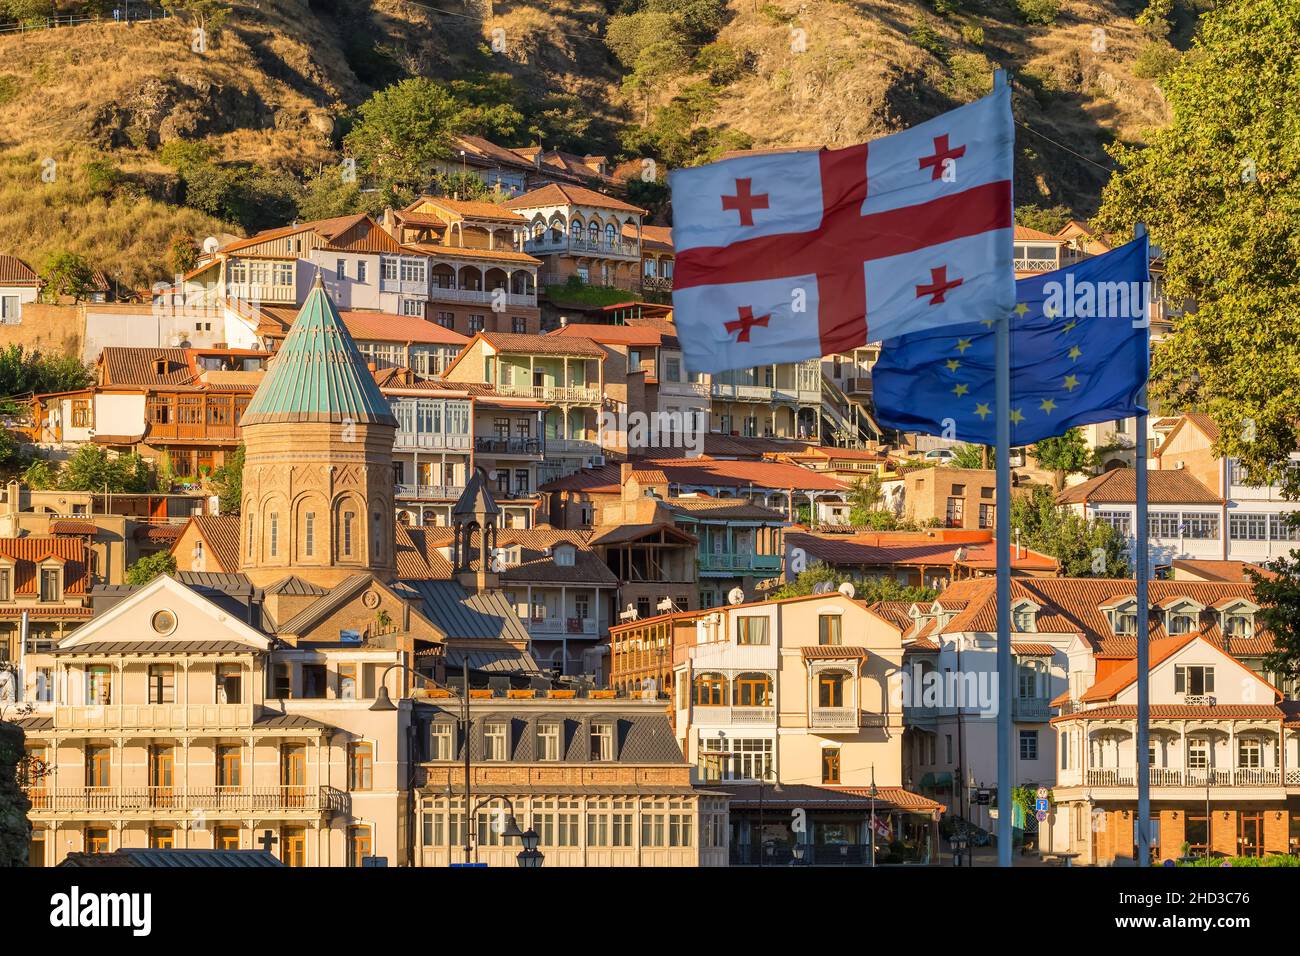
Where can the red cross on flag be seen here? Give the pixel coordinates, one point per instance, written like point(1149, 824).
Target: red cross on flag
point(789, 256)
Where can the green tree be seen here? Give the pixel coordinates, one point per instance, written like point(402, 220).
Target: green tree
point(150, 566)
point(1049, 220)
point(402, 130)
point(1278, 594)
point(1074, 541)
point(97, 469)
point(329, 192)
point(869, 590)
point(1219, 189)
point(208, 15)
point(969, 456)
point(863, 497)
point(487, 107)
point(464, 185)
point(66, 273)
point(41, 475)
point(228, 482)
point(1064, 455)
point(182, 253)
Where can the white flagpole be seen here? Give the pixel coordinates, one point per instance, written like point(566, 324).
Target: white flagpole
point(1142, 571)
point(1002, 396)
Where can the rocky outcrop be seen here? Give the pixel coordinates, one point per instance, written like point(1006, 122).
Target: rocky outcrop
point(15, 829)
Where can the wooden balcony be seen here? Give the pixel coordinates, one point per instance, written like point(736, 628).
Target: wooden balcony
point(1197, 777)
point(834, 718)
point(740, 563)
point(554, 393)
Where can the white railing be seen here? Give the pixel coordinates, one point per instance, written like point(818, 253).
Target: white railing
point(257, 292)
point(405, 286)
point(441, 294)
point(698, 389)
point(553, 393)
point(153, 716)
point(572, 446)
point(430, 491)
point(440, 441)
point(1196, 777)
point(560, 625)
point(841, 717)
point(600, 247)
point(1036, 265)
point(173, 800)
point(753, 715)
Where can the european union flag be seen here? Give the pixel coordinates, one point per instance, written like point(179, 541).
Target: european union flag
point(1079, 355)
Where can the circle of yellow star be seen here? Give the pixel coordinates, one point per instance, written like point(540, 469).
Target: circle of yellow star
point(1069, 326)
point(960, 389)
point(1046, 405)
point(1071, 383)
point(1075, 352)
point(963, 345)
point(1049, 312)
point(953, 365)
point(1016, 416)
point(983, 411)
point(1021, 309)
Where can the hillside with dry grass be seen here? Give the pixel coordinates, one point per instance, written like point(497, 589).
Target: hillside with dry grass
point(86, 111)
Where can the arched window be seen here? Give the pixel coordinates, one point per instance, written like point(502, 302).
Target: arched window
point(831, 688)
point(347, 529)
point(710, 690)
point(539, 229)
point(377, 541)
point(575, 229)
point(593, 232)
point(1181, 623)
point(275, 533)
point(753, 690)
point(611, 233)
point(1238, 625)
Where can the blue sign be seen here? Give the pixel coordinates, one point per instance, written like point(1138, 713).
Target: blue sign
point(1041, 806)
point(460, 865)
point(1041, 816)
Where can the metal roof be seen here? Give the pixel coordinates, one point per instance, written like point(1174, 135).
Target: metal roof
point(463, 615)
point(143, 857)
point(319, 375)
point(158, 647)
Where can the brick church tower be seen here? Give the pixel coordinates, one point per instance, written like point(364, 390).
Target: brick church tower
point(318, 465)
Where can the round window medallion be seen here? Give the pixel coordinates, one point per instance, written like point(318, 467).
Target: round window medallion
point(164, 622)
point(371, 599)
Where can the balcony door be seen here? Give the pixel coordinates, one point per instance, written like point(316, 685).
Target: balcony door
point(162, 766)
point(1250, 834)
point(293, 774)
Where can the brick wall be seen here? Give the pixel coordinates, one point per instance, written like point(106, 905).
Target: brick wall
point(49, 328)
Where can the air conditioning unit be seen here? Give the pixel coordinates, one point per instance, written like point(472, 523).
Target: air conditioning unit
point(597, 461)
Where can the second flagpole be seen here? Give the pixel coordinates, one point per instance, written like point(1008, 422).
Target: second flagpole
point(1002, 375)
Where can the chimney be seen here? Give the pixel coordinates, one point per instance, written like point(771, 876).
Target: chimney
point(624, 472)
point(372, 366)
point(564, 320)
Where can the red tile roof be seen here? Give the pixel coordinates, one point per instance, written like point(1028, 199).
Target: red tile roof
point(221, 532)
point(913, 548)
point(554, 194)
point(1024, 233)
point(612, 334)
point(14, 272)
point(28, 552)
point(1217, 570)
point(543, 344)
point(1120, 487)
point(380, 326)
point(1178, 711)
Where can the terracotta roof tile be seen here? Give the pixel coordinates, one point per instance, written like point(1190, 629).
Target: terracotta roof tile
point(28, 552)
point(1178, 711)
point(1120, 487)
point(14, 272)
point(555, 194)
point(705, 472)
point(221, 532)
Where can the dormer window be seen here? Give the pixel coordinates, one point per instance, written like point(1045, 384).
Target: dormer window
point(1181, 622)
point(1024, 617)
point(1239, 625)
point(1126, 622)
point(51, 584)
point(565, 555)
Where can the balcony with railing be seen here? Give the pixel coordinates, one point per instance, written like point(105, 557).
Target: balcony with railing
point(570, 626)
point(689, 389)
point(155, 718)
point(262, 292)
point(185, 800)
point(439, 293)
point(749, 716)
point(1036, 265)
point(551, 243)
point(834, 718)
point(1196, 777)
point(1031, 709)
point(431, 441)
point(430, 491)
point(714, 563)
point(579, 394)
point(509, 446)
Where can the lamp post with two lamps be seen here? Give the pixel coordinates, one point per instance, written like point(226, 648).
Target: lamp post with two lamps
point(530, 857)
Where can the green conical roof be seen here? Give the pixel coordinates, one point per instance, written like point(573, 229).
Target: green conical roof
point(318, 375)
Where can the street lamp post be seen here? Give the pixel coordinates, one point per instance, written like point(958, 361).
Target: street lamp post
point(873, 792)
point(530, 857)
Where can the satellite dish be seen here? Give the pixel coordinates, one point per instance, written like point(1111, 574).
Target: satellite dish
point(211, 245)
point(736, 596)
point(848, 590)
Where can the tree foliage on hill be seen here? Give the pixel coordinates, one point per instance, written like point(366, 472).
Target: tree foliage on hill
point(869, 590)
point(23, 372)
point(1219, 189)
point(401, 131)
point(1074, 541)
point(150, 566)
point(243, 193)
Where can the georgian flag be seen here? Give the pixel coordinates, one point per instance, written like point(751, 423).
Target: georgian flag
point(790, 256)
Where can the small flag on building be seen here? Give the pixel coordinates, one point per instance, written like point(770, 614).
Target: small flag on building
point(1078, 355)
point(782, 257)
